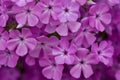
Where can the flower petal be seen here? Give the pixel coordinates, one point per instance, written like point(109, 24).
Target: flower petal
point(32, 20)
point(87, 71)
point(21, 18)
point(31, 43)
point(48, 72)
point(76, 71)
point(12, 60)
point(21, 49)
point(62, 30)
point(12, 44)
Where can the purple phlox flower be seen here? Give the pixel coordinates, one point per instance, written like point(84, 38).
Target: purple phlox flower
point(64, 53)
point(21, 2)
point(104, 51)
point(48, 10)
point(3, 38)
point(99, 16)
point(3, 15)
point(64, 28)
point(86, 35)
point(68, 11)
point(28, 14)
point(9, 74)
point(51, 70)
point(83, 63)
point(21, 42)
point(8, 58)
point(44, 44)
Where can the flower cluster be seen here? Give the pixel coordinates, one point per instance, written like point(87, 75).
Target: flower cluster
point(59, 39)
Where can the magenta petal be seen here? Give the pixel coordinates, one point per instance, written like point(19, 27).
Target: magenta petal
point(21, 3)
point(92, 21)
point(76, 71)
point(104, 60)
point(105, 18)
point(32, 20)
point(50, 29)
point(36, 52)
point(1, 29)
point(57, 51)
point(64, 44)
point(90, 38)
point(45, 17)
point(30, 61)
point(82, 2)
point(5, 35)
point(99, 26)
point(91, 59)
point(60, 59)
point(62, 30)
point(3, 44)
point(21, 49)
point(82, 52)
point(21, 18)
point(44, 62)
point(48, 72)
point(3, 20)
point(62, 17)
point(3, 58)
point(12, 44)
point(31, 43)
point(94, 47)
point(69, 59)
point(72, 16)
point(58, 73)
point(87, 71)
point(12, 60)
point(103, 8)
point(74, 26)
point(26, 32)
point(108, 52)
point(103, 45)
point(14, 34)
